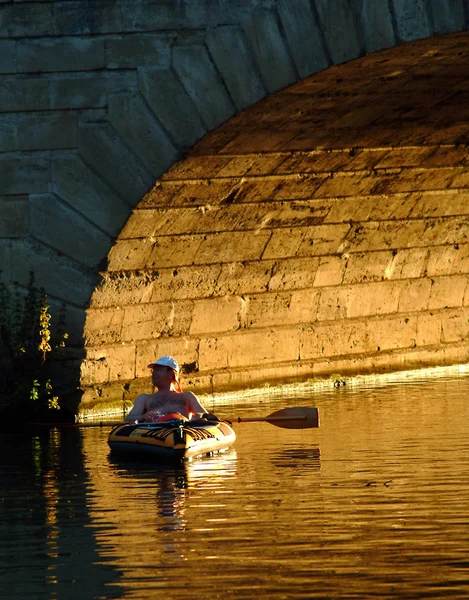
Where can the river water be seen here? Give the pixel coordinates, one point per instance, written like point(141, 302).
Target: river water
point(372, 504)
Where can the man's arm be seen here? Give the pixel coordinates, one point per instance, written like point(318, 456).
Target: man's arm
point(195, 407)
point(138, 409)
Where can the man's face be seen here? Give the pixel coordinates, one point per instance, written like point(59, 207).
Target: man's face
point(161, 375)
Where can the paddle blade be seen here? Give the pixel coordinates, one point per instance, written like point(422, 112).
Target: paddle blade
point(295, 417)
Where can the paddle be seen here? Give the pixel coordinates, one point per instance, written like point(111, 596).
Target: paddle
point(295, 417)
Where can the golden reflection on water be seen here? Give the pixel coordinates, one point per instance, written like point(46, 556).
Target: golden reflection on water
point(373, 504)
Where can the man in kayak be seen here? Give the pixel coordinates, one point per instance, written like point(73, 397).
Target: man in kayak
point(169, 402)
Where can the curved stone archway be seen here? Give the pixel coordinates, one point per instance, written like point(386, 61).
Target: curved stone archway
point(99, 99)
point(323, 230)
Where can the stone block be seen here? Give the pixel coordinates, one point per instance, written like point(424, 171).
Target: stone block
point(28, 93)
point(414, 295)
point(24, 173)
point(45, 55)
point(440, 260)
point(284, 243)
point(372, 299)
point(137, 50)
point(104, 151)
point(412, 19)
point(108, 363)
point(447, 291)
point(269, 50)
point(331, 271)
point(203, 84)
point(408, 263)
point(130, 255)
point(326, 340)
point(59, 276)
point(431, 204)
point(303, 36)
point(374, 16)
point(172, 104)
point(247, 277)
point(130, 116)
point(47, 131)
point(231, 247)
point(186, 283)
point(240, 75)
point(80, 187)
point(304, 306)
point(385, 235)
point(292, 273)
point(5, 260)
point(455, 326)
point(151, 321)
point(339, 30)
point(249, 348)
point(217, 315)
point(76, 237)
point(15, 217)
point(87, 90)
point(391, 333)
point(428, 329)
point(103, 327)
point(362, 267)
point(324, 239)
point(7, 55)
point(461, 260)
point(18, 20)
point(8, 132)
point(333, 303)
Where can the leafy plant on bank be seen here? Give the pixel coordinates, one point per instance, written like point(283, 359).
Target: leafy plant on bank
point(26, 347)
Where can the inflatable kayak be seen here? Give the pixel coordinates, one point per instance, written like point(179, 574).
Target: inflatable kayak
point(176, 439)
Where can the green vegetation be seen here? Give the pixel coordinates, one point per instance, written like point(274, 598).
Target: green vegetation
point(27, 346)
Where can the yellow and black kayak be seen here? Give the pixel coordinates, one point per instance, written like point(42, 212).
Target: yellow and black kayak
point(176, 439)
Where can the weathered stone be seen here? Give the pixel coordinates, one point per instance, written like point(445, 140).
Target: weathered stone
point(447, 292)
point(28, 93)
point(201, 80)
point(247, 277)
point(414, 295)
point(8, 132)
point(240, 76)
point(247, 349)
point(53, 130)
point(7, 56)
point(75, 237)
point(303, 36)
point(103, 150)
point(33, 20)
point(59, 276)
point(151, 321)
point(292, 273)
point(78, 185)
point(339, 30)
point(271, 55)
point(454, 326)
point(217, 315)
point(428, 329)
point(117, 363)
point(15, 217)
point(331, 271)
point(132, 51)
point(86, 90)
point(45, 55)
point(172, 105)
point(376, 20)
point(21, 173)
point(130, 116)
point(412, 19)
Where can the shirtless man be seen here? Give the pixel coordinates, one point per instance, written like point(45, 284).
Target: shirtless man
point(169, 399)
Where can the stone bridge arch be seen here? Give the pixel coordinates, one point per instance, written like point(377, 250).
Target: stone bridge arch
point(100, 99)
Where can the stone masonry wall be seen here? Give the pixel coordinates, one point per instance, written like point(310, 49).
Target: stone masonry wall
point(99, 98)
point(325, 230)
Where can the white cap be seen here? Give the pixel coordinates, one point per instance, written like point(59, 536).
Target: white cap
point(166, 361)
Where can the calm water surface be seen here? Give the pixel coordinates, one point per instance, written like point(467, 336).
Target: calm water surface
point(373, 504)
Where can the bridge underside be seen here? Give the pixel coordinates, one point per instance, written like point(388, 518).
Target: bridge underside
point(323, 230)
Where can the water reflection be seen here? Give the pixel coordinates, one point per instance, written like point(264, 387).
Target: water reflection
point(299, 459)
point(170, 484)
